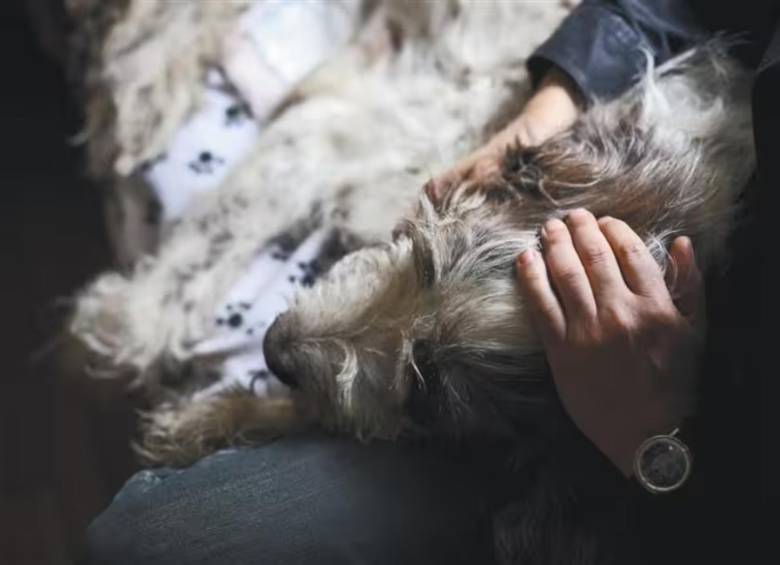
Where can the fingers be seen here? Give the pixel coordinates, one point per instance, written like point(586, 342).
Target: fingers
point(567, 272)
point(640, 271)
point(482, 165)
point(687, 286)
point(596, 255)
point(543, 305)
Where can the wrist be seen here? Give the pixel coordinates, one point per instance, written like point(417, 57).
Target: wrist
point(663, 463)
point(553, 108)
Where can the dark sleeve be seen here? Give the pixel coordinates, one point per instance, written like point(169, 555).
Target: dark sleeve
point(601, 45)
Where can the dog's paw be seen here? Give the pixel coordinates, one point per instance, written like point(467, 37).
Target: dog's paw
point(180, 434)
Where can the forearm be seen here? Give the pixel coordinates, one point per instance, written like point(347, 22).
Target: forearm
point(553, 108)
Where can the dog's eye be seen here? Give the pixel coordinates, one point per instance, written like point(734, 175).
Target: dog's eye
point(423, 403)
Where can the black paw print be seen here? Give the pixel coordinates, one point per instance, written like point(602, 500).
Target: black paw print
point(234, 318)
point(236, 114)
point(311, 271)
point(206, 163)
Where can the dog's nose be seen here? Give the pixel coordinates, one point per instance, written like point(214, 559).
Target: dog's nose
point(276, 347)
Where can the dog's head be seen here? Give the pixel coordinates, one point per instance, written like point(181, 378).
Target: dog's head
point(430, 332)
point(427, 332)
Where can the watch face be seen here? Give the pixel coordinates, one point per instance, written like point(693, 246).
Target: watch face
point(663, 463)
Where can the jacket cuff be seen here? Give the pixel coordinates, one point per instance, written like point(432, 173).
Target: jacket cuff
point(599, 50)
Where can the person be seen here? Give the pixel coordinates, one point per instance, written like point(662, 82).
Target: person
point(323, 500)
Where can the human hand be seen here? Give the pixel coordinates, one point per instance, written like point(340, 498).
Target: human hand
point(552, 109)
point(623, 353)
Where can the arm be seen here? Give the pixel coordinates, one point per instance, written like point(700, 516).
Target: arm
point(552, 109)
point(597, 53)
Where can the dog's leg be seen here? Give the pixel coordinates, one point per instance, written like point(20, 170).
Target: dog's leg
point(178, 435)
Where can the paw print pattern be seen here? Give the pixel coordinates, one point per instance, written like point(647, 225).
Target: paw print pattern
point(236, 318)
point(206, 163)
point(233, 317)
point(310, 271)
point(236, 114)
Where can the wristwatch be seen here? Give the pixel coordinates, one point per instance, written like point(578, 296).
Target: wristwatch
point(663, 463)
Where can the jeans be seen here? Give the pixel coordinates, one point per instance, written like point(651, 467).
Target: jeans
point(303, 500)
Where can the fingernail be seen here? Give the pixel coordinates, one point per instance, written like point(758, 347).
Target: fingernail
point(577, 213)
point(527, 257)
point(551, 225)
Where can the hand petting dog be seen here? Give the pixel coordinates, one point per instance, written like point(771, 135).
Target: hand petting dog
point(622, 351)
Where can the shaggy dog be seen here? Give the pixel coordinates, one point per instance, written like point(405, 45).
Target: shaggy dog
point(425, 335)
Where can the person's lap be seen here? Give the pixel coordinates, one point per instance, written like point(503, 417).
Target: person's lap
point(302, 500)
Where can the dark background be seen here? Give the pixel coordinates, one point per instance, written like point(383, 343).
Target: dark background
point(63, 440)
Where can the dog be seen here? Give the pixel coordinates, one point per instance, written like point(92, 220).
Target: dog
point(426, 335)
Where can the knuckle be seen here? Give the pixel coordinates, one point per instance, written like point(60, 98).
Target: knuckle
point(664, 318)
point(568, 275)
point(581, 339)
point(632, 250)
point(587, 335)
point(595, 255)
point(547, 311)
point(617, 319)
